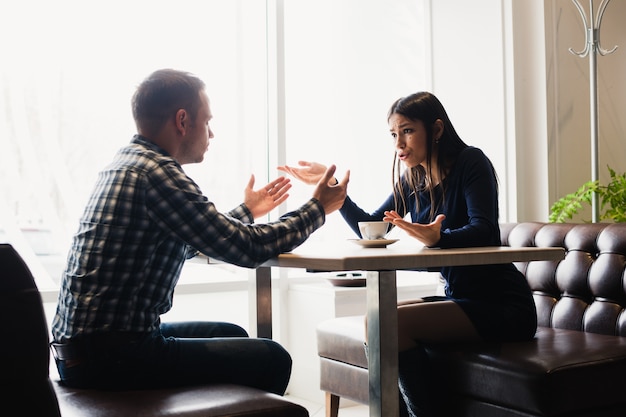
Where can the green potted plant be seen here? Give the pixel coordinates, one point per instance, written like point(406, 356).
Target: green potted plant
point(611, 197)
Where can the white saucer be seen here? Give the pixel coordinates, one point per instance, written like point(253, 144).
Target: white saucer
point(375, 243)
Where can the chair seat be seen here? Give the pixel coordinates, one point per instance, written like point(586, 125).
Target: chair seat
point(218, 400)
point(343, 364)
point(343, 339)
point(33, 385)
point(210, 400)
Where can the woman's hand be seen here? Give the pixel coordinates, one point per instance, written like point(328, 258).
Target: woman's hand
point(309, 172)
point(264, 200)
point(428, 234)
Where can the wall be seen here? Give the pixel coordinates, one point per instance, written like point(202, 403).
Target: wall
point(491, 77)
point(512, 87)
point(569, 96)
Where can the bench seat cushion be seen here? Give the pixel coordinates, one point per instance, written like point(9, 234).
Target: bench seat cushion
point(203, 401)
point(558, 372)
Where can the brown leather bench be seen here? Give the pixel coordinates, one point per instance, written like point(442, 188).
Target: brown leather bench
point(575, 365)
point(30, 389)
point(198, 401)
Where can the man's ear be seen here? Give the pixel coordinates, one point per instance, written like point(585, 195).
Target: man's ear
point(182, 121)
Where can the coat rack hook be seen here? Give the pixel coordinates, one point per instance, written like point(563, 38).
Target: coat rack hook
point(592, 30)
point(601, 50)
point(588, 42)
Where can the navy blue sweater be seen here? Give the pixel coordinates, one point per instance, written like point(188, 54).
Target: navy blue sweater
point(496, 298)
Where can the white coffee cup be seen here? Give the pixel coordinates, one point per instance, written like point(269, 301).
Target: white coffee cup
point(373, 230)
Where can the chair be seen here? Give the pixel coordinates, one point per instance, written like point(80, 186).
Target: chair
point(29, 388)
point(26, 357)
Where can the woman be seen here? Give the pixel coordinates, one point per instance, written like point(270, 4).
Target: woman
point(450, 191)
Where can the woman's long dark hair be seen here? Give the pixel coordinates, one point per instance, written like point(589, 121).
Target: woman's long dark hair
point(425, 107)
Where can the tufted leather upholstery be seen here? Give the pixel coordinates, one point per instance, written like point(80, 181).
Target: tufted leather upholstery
point(576, 364)
point(29, 387)
point(587, 290)
point(24, 349)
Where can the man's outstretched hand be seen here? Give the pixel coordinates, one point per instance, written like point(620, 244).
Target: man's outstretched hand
point(262, 201)
point(331, 197)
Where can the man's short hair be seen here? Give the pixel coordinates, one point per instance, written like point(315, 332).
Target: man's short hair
point(161, 95)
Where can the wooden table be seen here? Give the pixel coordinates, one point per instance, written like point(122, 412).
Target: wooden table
point(381, 264)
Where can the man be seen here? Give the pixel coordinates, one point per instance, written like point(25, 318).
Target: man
point(144, 218)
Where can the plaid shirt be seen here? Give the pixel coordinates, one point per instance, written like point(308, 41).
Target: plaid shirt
point(145, 217)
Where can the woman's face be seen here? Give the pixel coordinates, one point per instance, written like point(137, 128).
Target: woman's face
point(410, 140)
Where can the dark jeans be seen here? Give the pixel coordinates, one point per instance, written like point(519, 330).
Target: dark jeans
point(178, 354)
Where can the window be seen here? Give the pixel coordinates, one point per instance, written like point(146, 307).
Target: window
point(70, 69)
point(346, 62)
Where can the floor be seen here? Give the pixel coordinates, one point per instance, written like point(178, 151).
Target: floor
point(317, 410)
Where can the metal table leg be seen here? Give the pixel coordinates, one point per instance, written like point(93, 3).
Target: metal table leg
point(264, 302)
point(382, 340)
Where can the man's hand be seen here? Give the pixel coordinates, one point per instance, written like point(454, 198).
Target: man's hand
point(331, 197)
point(309, 172)
point(264, 200)
point(428, 234)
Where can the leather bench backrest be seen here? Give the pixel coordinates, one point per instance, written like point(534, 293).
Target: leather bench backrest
point(586, 291)
point(25, 350)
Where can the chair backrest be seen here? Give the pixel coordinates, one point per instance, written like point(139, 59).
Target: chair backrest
point(24, 349)
point(586, 291)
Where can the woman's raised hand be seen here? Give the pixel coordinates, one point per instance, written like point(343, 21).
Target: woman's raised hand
point(428, 234)
point(309, 172)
